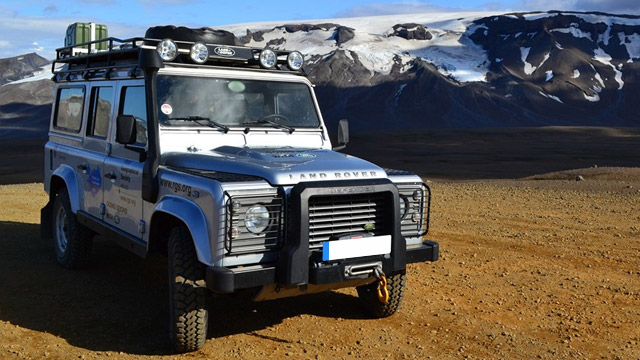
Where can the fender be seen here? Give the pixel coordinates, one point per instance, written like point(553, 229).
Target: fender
point(68, 175)
point(193, 217)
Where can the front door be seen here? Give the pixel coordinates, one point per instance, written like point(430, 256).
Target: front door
point(123, 167)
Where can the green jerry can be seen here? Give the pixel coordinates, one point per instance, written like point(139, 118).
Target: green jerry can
point(78, 33)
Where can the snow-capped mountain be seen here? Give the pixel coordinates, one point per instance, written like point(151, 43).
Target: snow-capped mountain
point(20, 67)
point(468, 69)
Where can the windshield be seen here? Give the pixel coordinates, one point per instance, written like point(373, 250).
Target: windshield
point(231, 102)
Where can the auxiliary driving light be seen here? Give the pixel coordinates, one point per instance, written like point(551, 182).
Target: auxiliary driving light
point(295, 60)
point(199, 53)
point(167, 49)
point(268, 59)
point(257, 219)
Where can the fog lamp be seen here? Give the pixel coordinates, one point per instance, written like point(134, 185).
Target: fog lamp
point(295, 60)
point(268, 59)
point(199, 53)
point(167, 49)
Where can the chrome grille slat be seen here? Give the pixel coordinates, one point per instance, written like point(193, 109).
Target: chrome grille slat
point(331, 219)
point(333, 216)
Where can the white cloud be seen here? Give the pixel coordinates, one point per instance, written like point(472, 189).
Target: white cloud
point(48, 33)
point(407, 7)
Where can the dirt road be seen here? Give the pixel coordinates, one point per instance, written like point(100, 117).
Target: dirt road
point(545, 268)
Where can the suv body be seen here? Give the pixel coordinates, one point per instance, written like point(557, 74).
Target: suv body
point(228, 169)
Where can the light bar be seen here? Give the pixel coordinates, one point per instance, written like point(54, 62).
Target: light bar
point(167, 49)
point(199, 53)
point(295, 60)
point(268, 59)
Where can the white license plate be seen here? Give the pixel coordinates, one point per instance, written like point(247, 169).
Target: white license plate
point(352, 248)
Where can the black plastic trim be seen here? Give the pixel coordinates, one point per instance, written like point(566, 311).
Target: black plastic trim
point(123, 239)
point(226, 280)
point(428, 251)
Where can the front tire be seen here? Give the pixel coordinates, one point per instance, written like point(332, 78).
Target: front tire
point(72, 240)
point(187, 293)
point(368, 294)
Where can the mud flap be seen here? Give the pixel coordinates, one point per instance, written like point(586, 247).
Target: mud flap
point(46, 220)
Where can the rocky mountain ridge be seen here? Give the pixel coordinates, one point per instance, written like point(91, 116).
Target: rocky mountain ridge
point(20, 67)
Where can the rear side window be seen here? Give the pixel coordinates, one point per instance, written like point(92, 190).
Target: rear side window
point(133, 103)
point(101, 100)
point(69, 109)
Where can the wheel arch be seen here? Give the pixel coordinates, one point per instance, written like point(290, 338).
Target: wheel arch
point(173, 211)
point(65, 177)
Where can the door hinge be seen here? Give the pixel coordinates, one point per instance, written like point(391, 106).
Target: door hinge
point(142, 227)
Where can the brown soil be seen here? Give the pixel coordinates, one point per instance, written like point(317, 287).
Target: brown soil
point(538, 268)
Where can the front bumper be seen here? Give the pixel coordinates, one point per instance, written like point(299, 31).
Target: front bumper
point(227, 280)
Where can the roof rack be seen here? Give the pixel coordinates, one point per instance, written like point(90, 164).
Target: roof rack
point(123, 54)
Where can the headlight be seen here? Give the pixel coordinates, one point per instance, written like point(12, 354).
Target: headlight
point(257, 219)
point(268, 59)
point(403, 207)
point(295, 60)
point(167, 49)
point(199, 53)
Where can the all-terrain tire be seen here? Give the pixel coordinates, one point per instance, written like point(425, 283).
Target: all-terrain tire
point(188, 313)
point(368, 294)
point(72, 240)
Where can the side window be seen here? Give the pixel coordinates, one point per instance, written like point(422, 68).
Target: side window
point(101, 100)
point(133, 103)
point(69, 109)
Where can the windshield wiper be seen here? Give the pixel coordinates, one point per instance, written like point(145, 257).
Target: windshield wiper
point(198, 119)
point(270, 122)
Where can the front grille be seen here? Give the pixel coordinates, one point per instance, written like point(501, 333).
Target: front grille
point(331, 217)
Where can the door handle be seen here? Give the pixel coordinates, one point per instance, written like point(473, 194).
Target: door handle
point(111, 177)
point(83, 168)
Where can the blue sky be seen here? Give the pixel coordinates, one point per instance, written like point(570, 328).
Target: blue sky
point(39, 25)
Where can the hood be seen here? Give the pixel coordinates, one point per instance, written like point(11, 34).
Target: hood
point(285, 166)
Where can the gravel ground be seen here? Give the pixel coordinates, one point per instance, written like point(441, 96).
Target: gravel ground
point(545, 267)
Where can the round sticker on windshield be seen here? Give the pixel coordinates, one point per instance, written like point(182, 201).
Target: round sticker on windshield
point(166, 109)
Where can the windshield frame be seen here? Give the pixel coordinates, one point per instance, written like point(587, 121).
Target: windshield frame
point(242, 75)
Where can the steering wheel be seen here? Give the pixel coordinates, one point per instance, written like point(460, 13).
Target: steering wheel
point(274, 116)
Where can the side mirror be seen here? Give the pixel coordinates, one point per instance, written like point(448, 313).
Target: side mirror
point(343, 134)
point(126, 131)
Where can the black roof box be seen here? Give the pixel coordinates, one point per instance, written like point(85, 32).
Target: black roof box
point(180, 33)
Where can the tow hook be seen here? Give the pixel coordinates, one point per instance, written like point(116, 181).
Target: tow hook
point(383, 293)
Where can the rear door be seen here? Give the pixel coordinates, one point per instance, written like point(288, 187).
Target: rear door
point(123, 167)
point(101, 107)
